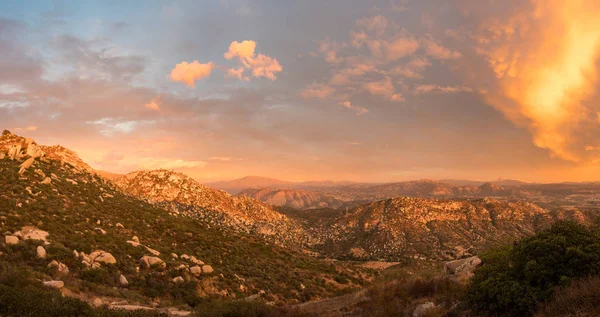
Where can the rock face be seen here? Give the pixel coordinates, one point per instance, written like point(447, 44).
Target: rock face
point(34, 150)
point(422, 309)
point(298, 199)
point(11, 240)
point(152, 261)
point(41, 252)
point(14, 152)
point(462, 269)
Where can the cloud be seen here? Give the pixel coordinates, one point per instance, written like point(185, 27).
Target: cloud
point(438, 51)
point(542, 61)
point(260, 65)
point(412, 69)
point(154, 104)
point(27, 128)
point(151, 163)
point(188, 73)
point(359, 110)
point(220, 158)
point(436, 89)
point(319, 91)
point(383, 88)
point(237, 73)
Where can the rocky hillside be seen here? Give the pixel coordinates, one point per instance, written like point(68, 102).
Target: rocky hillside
point(237, 185)
point(82, 234)
point(434, 229)
point(183, 195)
point(292, 198)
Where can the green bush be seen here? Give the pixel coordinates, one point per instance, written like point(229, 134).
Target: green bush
point(515, 279)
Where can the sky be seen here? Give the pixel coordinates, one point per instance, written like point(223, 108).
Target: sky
point(373, 91)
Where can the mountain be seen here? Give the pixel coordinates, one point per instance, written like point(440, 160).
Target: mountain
point(434, 229)
point(183, 195)
point(97, 241)
point(292, 198)
point(237, 185)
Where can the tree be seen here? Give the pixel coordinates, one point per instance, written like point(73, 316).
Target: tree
point(515, 279)
point(6, 132)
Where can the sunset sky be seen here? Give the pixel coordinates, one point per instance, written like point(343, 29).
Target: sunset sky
point(310, 90)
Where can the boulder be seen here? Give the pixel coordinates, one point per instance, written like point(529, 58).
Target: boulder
point(422, 309)
point(32, 233)
point(207, 269)
point(2, 156)
point(41, 252)
point(47, 180)
point(55, 284)
point(185, 257)
point(34, 150)
point(152, 261)
point(196, 270)
point(178, 280)
point(11, 240)
point(133, 243)
point(174, 255)
point(14, 152)
point(102, 257)
point(196, 261)
point(463, 268)
point(100, 230)
point(119, 225)
point(60, 267)
point(135, 239)
point(97, 302)
point(25, 165)
point(123, 280)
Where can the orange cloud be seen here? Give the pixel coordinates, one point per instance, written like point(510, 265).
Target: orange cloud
point(383, 88)
point(359, 110)
point(438, 51)
point(188, 73)
point(154, 104)
point(260, 65)
point(543, 57)
point(27, 128)
point(237, 73)
point(424, 89)
point(319, 91)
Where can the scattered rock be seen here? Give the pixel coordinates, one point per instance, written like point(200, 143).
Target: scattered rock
point(135, 239)
point(47, 180)
point(100, 230)
point(102, 257)
point(32, 233)
point(152, 261)
point(207, 269)
point(178, 280)
point(72, 182)
point(123, 280)
point(97, 302)
point(174, 256)
point(119, 225)
point(11, 240)
point(462, 269)
point(422, 309)
point(196, 270)
point(41, 252)
point(55, 284)
point(60, 267)
point(196, 261)
point(185, 257)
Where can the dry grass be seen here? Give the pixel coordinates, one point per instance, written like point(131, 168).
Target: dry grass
point(580, 299)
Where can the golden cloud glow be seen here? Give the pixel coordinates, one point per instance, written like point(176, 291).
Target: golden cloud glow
point(544, 59)
point(154, 104)
point(188, 73)
point(260, 65)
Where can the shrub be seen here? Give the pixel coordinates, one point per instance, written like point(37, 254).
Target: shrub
point(514, 279)
point(581, 298)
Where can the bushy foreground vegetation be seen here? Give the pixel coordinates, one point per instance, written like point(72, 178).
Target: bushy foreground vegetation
point(515, 279)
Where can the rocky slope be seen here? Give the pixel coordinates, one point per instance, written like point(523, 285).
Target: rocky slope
point(292, 198)
point(83, 234)
point(434, 229)
point(183, 195)
point(237, 185)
